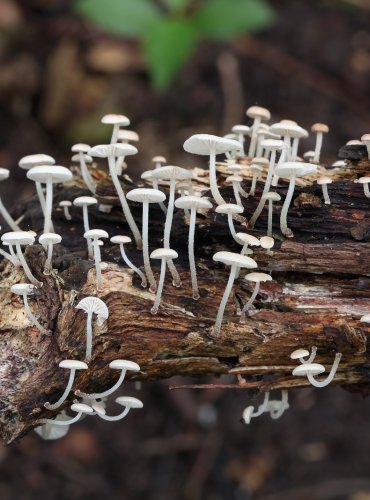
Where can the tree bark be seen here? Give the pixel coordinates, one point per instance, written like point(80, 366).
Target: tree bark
point(319, 291)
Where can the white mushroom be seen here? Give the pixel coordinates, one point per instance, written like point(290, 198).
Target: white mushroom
point(4, 174)
point(365, 182)
point(50, 431)
point(19, 239)
point(303, 353)
point(48, 240)
point(111, 152)
point(118, 364)
point(258, 114)
point(292, 170)
point(297, 135)
point(271, 196)
point(121, 241)
point(85, 202)
point(267, 242)
point(25, 289)
point(79, 408)
point(159, 161)
point(65, 204)
point(117, 121)
point(256, 175)
point(211, 145)
point(81, 150)
point(71, 365)
point(94, 235)
point(165, 255)
point(235, 261)
point(323, 181)
point(146, 196)
point(49, 175)
point(241, 131)
point(329, 378)
point(319, 129)
point(246, 239)
point(230, 209)
point(256, 278)
point(148, 175)
point(128, 403)
point(91, 306)
point(235, 180)
point(193, 203)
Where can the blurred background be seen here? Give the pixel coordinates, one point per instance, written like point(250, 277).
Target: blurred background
point(178, 67)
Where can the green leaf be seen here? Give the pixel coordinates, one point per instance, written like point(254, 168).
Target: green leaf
point(222, 19)
point(167, 46)
point(176, 5)
point(130, 18)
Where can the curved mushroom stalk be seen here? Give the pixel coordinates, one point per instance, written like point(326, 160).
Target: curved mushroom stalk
point(25, 289)
point(250, 412)
point(166, 255)
point(128, 403)
point(80, 408)
point(329, 378)
point(257, 278)
point(13, 260)
point(71, 365)
point(121, 241)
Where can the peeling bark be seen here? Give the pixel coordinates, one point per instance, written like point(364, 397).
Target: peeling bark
point(320, 289)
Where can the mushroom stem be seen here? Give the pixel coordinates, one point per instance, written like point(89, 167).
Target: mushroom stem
point(221, 309)
point(316, 158)
point(32, 318)
point(325, 194)
point(193, 270)
point(41, 196)
point(266, 189)
point(283, 156)
point(8, 218)
point(366, 190)
point(89, 337)
point(330, 377)
point(24, 264)
point(10, 258)
point(122, 198)
point(97, 259)
point(48, 205)
point(64, 396)
point(62, 422)
point(147, 266)
point(48, 264)
point(269, 220)
point(167, 232)
point(250, 301)
point(155, 186)
point(132, 266)
point(67, 215)
point(278, 409)
point(253, 185)
point(252, 145)
point(312, 356)
point(231, 227)
point(85, 214)
point(213, 178)
point(288, 233)
point(86, 174)
point(120, 416)
point(236, 190)
point(108, 392)
point(157, 300)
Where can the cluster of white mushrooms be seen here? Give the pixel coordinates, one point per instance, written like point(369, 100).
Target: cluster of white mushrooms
point(271, 158)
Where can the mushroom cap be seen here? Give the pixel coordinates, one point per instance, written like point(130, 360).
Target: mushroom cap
point(354, 142)
point(231, 136)
point(113, 119)
point(190, 201)
point(127, 135)
point(234, 178)
point(363, 180)
point(124, 364)
point(229, 208)
point(232, 259)
point(267, 242)
point(87, 158)
point(249, 239)
point(297, 168)
point(272, 195)
point(23, 288)
point(272, 144)
point(98, 408)
point(50, 431)
point(339, 163)
point(241, 129)
point(120, 239)
point(324, 180)
point(258, 112)
point(306, 368)
point(129, 401)
point(256, 170)
point(271, 135)
point(148, 174)
point(96, 306)
point(65, 203)
point(146, 195)
point(320, 127)
point(283, 128)
point(308, 154)
point(365, 318)
point(73, 364)
point(204, 144)
point(235, 167)
point(50, 238)
point(172, 172)
point(55, 173)
point(4, 174)
point(365, 138)
point(87, 201)
point(159, 159)
point(18, 237)
point(164, 253)
point(116, 150)
point(186, 184)
point(80, 148)
point(82, 408)
point(260, 161)
point(30, 161)
point(96, 234)
point(258, 277)
point(299, 353)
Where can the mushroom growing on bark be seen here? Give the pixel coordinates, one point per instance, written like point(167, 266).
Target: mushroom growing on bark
point(19, 239)
point(366, 140)
point(85, 202)
point(121, 241)
point(365, 182)
point(258, 114)
point(91, 306)
point(319, 129)
point(4, 174)
point(117, 121)
point(230, 209)
point(241, 131)
point(48, 240)
point(94, 236)
point(81, 150)
point(165, 255)
point(72, 365)
point(25, 289)
point(323, 181)
point(65, 204)
point(256, 278)
point(271, 196)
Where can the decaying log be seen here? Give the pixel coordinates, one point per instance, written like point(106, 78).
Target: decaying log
point(320, 289)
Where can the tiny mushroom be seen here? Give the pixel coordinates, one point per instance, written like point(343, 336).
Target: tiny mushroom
point(79, 408)
point(49, 174)
point(65, 204)
point(271, 196)
point(25, 289)
point(81, 150)
point(235, 261)
point(72, 365)
point(4, 174)
point(128, 402)
point(159, 161)
point(256, 175)
point(146, 196)
point(256, 278)
point(319, 129)
point(230, 209)
point(365, 182)
point(50, 431)
point(117, 121)
point(118, 364)
point(165, 255)
point(19, 239)
point(211, 145)
point(235, 181)
point(193, 203)
point(303, 353)
point(91, 306)
point(148, 175)
point(11, 257)
point(241, 131)
point(323, 181)
point(258, 114)
point(85, 202)
point(94, 235)
point(267, 242)
point(48, 240)
point(305, 368)
point(121, 241)
point(246, 239)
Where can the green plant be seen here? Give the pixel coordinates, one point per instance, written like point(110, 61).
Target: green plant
point(169, 30)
